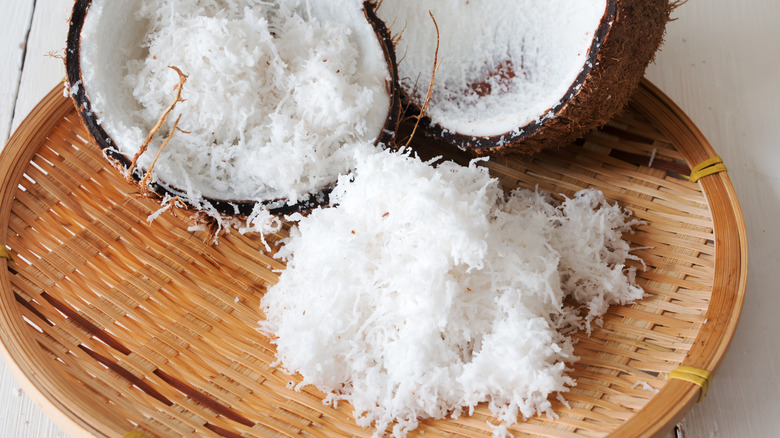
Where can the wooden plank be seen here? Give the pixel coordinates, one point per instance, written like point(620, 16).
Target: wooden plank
point(719, 63)
point(21, 86)
point(41, 71)
point(19, 416)
point(13, 34)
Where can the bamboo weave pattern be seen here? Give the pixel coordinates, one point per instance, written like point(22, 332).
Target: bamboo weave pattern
point(151, 327)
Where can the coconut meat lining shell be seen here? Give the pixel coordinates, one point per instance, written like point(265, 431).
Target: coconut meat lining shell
point(277, 98)
point(504, 64)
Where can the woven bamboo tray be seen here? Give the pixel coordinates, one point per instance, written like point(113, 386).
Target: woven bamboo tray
point(114, 324)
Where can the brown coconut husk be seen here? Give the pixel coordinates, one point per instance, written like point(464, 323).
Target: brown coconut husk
point(625, 43)
point(228, 207)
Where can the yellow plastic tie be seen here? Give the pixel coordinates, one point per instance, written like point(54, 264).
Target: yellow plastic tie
point(707, 167)
point(697, 376)
point(5, 253)
point(135, 434)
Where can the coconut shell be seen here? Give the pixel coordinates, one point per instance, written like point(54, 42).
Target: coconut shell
point(630, 33)
point(238, 207)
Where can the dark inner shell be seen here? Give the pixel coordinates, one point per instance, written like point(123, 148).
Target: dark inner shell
point(627, 37)
point(227, 207)
point(479, 144)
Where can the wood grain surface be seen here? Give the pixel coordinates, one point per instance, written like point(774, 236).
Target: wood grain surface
point(719, 63)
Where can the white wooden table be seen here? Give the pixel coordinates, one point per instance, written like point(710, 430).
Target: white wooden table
point(720, 63)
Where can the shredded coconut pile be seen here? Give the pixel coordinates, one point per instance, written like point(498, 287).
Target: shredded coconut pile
point(279, 92)
point(504, 63)
point(426, 291)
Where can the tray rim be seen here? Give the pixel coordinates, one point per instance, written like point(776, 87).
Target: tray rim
point(671, 404)
point(729, 230)
point(52, 109)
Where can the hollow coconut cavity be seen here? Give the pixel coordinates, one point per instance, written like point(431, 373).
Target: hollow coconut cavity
point(278, 95)
point(522, 75)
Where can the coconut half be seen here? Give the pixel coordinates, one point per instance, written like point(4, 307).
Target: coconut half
point(523, 73)
point(278, 95)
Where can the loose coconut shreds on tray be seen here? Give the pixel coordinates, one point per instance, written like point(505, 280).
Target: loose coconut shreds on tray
point(586, 230)
point(276, 99)
point(503, 63)
point(426, 291)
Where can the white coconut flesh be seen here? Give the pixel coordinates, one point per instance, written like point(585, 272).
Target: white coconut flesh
point(504, 64)
point(426, 291)
point(279, 94)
